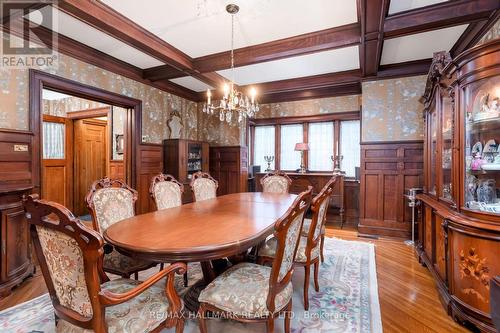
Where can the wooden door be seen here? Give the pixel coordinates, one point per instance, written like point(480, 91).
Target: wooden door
point(90, 158)
point(57, 161)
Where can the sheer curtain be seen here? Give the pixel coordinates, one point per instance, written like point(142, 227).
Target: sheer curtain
point(263, 146)
point(290, 135)
point(320, 146)
point(53, 140)
point(350, 148)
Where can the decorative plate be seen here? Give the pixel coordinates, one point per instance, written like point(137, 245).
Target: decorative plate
point(490, 147)
point(477, 148)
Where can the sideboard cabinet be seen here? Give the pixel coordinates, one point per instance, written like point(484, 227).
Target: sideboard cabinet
point(459, 233)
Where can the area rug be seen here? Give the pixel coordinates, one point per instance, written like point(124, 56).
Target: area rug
point(347, 300)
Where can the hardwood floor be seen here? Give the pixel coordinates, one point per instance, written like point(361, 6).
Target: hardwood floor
point(409, 300)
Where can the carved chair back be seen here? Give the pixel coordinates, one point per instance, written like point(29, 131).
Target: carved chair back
point(276, 182)
point(287, 233)
point(70, 257)
point(110, 201)
point(166, 191)
point(319, 207)
point(204, 187)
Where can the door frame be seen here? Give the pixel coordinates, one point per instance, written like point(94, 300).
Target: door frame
point(39, 80)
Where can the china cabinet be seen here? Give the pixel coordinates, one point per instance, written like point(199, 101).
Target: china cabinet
point(182, 158)
point(459, 232)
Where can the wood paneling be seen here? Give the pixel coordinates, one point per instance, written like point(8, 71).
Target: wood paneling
point(150, 164)
point(387, 172)
point(117, 170)
point(229, 166)
point(16, 167)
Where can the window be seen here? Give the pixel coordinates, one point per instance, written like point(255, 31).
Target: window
point(53, 140)
point(320, 146)
point(263, 146)
point(290, 135)
point(350, 148)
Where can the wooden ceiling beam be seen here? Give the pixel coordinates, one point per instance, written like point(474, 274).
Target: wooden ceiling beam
point(328, 39)
point(473, 34)
point(402, 69)
point(371, 15)
point(109, 21)
point(89, 55)
point(438, 16)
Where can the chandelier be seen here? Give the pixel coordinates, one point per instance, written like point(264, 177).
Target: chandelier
point(233, 102)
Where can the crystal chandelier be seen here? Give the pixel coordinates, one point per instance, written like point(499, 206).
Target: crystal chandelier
point(233, 102)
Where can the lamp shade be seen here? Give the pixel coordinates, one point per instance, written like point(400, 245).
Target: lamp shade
point(302, 146)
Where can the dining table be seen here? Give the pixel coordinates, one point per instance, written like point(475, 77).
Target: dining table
point(201, 231)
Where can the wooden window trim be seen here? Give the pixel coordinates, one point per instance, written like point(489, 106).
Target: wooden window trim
point(336, 118)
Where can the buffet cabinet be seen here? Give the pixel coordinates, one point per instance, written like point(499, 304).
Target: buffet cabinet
point(459, 229)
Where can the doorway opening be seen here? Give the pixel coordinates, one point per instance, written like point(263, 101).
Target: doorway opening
point(82, 141)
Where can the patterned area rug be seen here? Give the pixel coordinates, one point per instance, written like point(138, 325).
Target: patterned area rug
point(347, 301)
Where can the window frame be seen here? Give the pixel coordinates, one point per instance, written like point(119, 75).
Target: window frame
point(336, 118)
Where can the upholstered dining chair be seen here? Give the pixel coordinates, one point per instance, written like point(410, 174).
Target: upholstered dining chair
point(249, 292)
point(309, 245)
point(166, 192)
point(84, 299)
point(276, 182)
point(110, 201)
point(204, 187)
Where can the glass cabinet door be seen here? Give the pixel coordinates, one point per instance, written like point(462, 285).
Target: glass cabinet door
point(482, 153)
point(447, 148)
point(433, 152)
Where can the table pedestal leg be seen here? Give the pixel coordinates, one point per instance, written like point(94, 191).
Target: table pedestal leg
point(191, 297)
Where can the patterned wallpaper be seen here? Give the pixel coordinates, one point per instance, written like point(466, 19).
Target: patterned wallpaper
point(492, 34)
point(310, 107)
point(391, 110)
point(218, 133)
point(60, 107)
point(157, 104)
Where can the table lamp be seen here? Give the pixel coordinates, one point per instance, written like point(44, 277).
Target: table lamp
point(302, 147)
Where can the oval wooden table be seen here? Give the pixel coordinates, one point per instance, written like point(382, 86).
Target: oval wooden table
point(200, 231)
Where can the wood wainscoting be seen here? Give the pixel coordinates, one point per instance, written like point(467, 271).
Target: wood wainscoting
point(388, 170)
point(149, 164)
point(229, 166)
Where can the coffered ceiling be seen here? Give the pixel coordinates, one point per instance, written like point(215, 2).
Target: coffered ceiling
point(287, 48)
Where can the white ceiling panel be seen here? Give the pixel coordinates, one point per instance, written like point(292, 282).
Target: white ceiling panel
point(420, 46)
point(191, 83)
point(312, 64)
point(85, 34)
point(397, 6)
point(201, 27)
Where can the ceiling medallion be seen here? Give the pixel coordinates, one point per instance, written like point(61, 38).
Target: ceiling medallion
point(233, 102)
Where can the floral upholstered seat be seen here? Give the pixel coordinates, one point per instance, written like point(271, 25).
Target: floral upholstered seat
point(143, 313)
point(110, 201)
point(268, 249)
point(243, 290)
point(204, 187)
point(166, 191)
point(70, 257)
point(277, 182)
point(250, 292)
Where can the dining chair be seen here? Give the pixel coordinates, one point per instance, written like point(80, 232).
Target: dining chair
point(110, 201)
point(84, 299)
point(276, 182)
point(166, 192)
point(204, 187)
point(307, 222)
point(249, 292)
point(309, 245)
